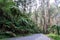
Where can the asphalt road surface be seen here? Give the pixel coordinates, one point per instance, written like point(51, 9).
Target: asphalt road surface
point(32, 37)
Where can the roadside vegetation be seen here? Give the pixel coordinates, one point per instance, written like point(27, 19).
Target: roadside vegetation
point(54, 36)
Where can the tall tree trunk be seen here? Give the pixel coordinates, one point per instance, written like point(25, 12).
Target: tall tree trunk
point(45, 15)
point(56, 1)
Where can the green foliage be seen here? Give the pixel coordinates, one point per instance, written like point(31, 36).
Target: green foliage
point(54, 29)
point(54, 36)
point(13, 21)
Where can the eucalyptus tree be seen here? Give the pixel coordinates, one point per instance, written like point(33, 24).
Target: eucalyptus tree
point(45, 9)
point(57, 2)
point(24, 5)
point(21, 4)
point(53, 12)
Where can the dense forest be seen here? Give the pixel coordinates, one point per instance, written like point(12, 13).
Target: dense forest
point(24, 17)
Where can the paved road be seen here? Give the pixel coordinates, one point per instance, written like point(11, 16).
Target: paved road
point(32, 37)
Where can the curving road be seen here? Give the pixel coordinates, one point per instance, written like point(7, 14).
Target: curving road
point(32, 37)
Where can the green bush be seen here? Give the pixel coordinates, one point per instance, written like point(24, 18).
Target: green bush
point(54, 36)
point(12, 20)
